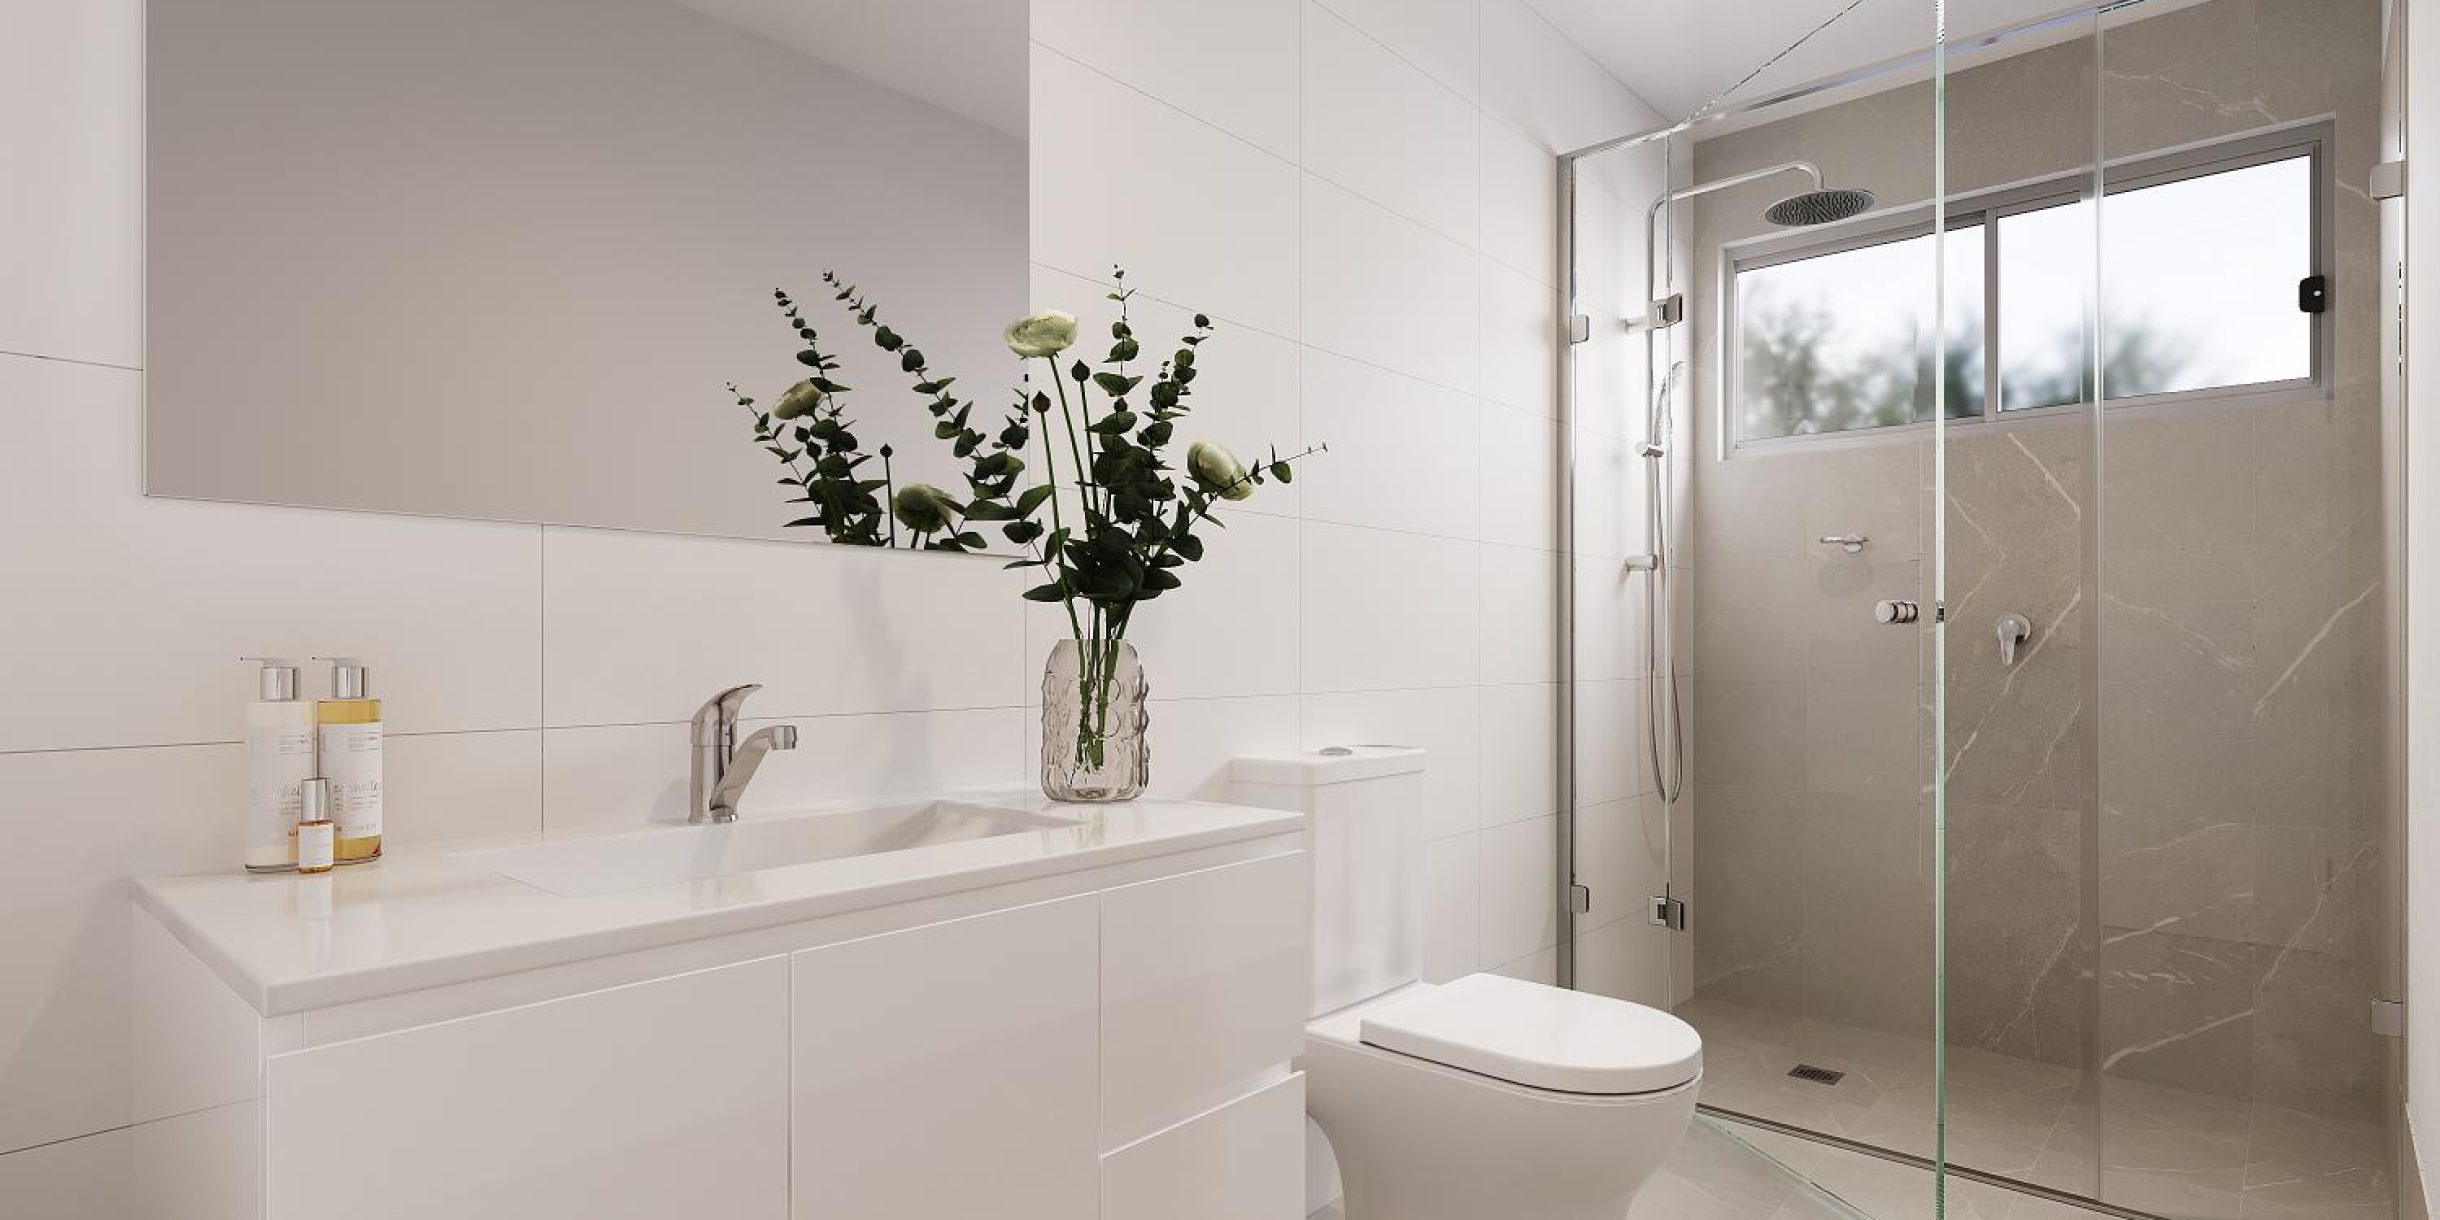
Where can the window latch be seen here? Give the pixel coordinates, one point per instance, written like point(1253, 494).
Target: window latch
point(2313, 294)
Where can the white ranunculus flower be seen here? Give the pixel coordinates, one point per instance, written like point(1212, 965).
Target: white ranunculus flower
point(922, 508)
point(796, 400)
point(1218, 470)
point(1042, 334)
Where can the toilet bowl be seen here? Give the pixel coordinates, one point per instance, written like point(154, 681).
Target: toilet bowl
point(1466, 1124)
point(1479, 1097)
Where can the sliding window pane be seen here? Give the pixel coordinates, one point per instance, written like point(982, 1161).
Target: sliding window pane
point(1841, 341)
point(2045, 313)
point(2201, 280)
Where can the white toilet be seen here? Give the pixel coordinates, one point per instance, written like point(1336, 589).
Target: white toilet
point(1484, 1096)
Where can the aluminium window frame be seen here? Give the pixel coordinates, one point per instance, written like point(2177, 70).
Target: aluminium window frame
point(2309, 138)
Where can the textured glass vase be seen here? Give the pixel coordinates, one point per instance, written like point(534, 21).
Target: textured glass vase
point(1093, 721)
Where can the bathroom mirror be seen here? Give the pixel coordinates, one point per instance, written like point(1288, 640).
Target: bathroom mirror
point(497, 258)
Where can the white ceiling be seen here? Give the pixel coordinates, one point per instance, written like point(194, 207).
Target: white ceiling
point(1679, 55)
point(964, 56)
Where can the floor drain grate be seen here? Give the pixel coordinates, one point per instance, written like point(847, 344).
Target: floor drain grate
point(1818, 1075)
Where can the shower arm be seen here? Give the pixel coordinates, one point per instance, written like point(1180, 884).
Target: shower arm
point(1653, 322)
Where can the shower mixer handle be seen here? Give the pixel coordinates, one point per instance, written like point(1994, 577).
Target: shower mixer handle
point(1893, 613)
point(1853, 543)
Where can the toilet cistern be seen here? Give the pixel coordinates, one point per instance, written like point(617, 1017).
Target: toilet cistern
point(720, 766)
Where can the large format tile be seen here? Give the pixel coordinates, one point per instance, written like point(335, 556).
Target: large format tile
point(1386, 611)
point(1520, 746)
point(1398, 457)
point(1385, 290)
point(1452, 907)
point(1442, 37)
point(1520, 203)
point(1520, 864)
point(642, 628)
point(1233, 65)
point(1208, 219)
point(127, 614)
point(1538, 82)
point(1383, 128)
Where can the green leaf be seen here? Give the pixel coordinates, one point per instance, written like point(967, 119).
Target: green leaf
point(910, 361)
point(887, 340)
point(1123, 351)
point(1045, 593)
point(1281, 472)
point(1189, 546)
point(1032, 499)
point(1114, 385)
point(1022, 532)
point(1115, 423)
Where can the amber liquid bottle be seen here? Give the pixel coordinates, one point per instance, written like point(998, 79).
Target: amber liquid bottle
point(348, 743)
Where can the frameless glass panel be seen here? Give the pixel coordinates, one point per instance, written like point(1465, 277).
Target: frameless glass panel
point(2199, 278)
point(1840, 341)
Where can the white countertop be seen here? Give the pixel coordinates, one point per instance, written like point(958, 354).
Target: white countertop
point(429, 916)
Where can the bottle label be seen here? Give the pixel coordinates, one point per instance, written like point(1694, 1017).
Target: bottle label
point(278, 759)
point(316, 849)
point(351, 761)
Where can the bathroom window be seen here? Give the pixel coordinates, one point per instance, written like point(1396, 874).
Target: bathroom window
point(2202, 259)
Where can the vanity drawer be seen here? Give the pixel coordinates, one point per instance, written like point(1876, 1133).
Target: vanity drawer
point(1243, 1161)
point(1204, 989)
point(643, 1102)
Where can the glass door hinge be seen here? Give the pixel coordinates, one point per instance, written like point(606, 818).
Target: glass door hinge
point(1579, 328)
point(2389, 1018)
point(1668, 912)
point(1580, 899)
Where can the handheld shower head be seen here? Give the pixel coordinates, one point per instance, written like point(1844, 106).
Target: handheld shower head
point(1822, 206)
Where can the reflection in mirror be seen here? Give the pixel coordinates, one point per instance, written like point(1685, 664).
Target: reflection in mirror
point(498, 258)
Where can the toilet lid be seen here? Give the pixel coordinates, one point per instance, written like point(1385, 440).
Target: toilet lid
point(1543, 1037)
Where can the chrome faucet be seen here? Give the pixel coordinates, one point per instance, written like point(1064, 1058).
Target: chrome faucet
point(723, 765)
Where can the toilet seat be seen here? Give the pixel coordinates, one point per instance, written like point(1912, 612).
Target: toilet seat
point(1537, 1036)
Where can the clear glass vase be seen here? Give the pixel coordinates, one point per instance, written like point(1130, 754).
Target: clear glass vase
point(1093, 719)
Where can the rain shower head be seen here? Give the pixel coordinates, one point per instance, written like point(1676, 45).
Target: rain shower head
point(1823, 206)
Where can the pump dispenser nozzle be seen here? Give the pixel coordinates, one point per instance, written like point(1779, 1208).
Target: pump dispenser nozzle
point(349, 677)
point(277, 682)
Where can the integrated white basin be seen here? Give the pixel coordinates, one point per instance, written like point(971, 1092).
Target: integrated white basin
point(665, 856)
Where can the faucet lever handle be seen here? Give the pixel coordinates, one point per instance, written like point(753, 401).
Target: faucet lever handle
point(717, 718)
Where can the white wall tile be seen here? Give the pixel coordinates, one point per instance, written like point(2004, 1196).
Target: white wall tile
point(1385, 290)
point(442, 786)
point(1520, 889)
point(1193, 741)
point(1452, 907)
point(636, 773)
point(1540, 966)
point(1387, 610)
point(1520, 459)
point(1520, 752)
point(1610, 618)
point(78, 825)
point(1520, 203)
point(1446, 723)
point(1399, 457)
point(1379, 126)
point(126, 615)
point(71, 223)
point(1121, 178)
point(1628, 960)
point(1611, 754)
point(1520, 627)
point(1520, 341)
point(1232, 65)
point(1538, 82)
point(642, 628)
point(1442, 37)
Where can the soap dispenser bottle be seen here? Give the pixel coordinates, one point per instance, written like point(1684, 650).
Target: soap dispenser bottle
point(350, 743)
point(279, 758)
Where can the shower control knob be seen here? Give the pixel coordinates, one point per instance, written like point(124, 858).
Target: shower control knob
point(1895, 612)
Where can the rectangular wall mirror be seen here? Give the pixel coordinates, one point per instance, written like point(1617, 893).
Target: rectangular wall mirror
point(497, 258)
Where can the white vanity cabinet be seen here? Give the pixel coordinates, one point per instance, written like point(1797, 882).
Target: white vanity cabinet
point(1112, 1041)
